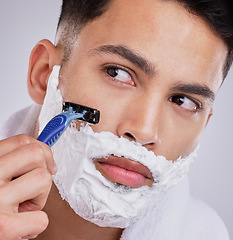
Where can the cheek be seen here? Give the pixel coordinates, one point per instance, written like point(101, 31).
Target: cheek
point(188, 140)
point(87, 89)
point(113, 111)
point(182, 137)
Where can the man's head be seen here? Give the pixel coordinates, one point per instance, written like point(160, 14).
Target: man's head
point(151, 67)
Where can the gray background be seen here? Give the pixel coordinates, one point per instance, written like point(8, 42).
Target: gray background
point(23, 23)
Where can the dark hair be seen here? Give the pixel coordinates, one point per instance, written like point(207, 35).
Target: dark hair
point(76, 14)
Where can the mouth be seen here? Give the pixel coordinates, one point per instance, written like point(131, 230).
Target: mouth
point(124, 171)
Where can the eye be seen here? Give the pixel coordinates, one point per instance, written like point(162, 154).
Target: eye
point(120, 75)
point(186, 103)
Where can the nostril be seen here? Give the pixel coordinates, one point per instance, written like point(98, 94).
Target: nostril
point(150, 146)
point(129, 136)
point(149, 143)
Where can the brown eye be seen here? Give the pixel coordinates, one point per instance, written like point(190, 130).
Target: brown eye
point(113, 72)
point(120, 75)
point(185, 102)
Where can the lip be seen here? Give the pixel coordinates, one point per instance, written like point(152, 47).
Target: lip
point(124, 171)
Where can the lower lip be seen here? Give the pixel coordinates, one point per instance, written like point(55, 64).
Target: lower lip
point(122, 176)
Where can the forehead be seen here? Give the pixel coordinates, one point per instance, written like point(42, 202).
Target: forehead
point(170, 37)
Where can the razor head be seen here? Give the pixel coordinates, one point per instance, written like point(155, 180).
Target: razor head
point(90, 115)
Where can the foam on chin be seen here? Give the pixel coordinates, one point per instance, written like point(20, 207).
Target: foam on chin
point(90, 194)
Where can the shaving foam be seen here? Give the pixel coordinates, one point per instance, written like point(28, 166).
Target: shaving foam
point(90, 194)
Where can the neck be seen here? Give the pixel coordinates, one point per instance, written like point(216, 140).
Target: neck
point(64, 223)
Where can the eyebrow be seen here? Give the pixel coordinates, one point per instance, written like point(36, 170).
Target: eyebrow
point(197, 89)
point(128, 54)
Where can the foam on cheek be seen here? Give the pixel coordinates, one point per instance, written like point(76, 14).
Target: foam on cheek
point(90, 194)
point(53, 100)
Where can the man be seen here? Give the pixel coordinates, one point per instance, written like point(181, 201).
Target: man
point(153, 85)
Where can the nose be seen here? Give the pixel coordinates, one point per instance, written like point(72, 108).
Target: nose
point(140, 123)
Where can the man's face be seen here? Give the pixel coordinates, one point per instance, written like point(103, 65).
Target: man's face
point(152, 69)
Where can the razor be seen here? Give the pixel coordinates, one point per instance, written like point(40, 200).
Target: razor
point(57, 125)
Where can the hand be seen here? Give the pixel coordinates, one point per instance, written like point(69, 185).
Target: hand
point(26, 169)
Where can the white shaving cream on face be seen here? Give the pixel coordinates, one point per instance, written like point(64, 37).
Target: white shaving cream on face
point(90, 194)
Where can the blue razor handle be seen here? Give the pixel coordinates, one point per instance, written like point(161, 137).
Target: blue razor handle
point(57, 125)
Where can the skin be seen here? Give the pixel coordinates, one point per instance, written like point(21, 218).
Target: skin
point(180, 49)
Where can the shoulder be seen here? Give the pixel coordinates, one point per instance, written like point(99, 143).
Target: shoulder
point(203, 223)
point(22, 121)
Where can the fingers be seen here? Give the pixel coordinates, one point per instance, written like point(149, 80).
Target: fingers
point(23, 160)
point(10, 144)
point(28, 224)
point(31, 189)
point(26, 166)
point(21, 154)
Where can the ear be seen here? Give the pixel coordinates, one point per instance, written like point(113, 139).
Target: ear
point(43, 57)
point(209, 116)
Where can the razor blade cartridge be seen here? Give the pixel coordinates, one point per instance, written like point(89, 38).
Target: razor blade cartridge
point(90, 115)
